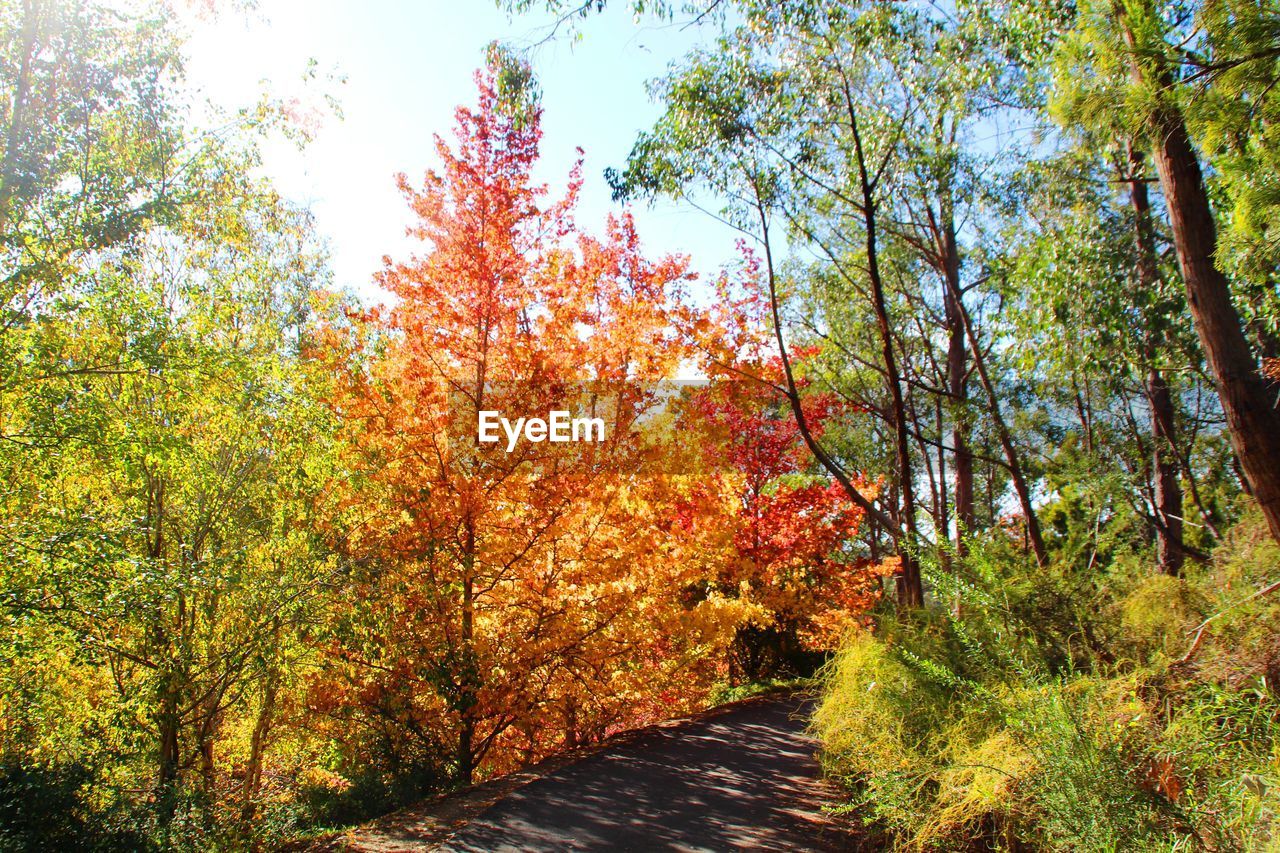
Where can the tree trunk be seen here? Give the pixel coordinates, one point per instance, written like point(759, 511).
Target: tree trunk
point(469, 675)
point(957, 386)
point(1035, 538)
point(1252, 419)
point(1167, 489)
point(910, 582)
point(167, 722)
point(258, 740)
point(167, 695)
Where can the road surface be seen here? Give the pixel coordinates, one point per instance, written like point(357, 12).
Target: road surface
point(741, 777)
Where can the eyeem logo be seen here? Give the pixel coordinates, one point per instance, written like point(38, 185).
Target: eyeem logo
point(557, 427)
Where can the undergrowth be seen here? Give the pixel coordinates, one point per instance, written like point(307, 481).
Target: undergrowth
point(1039, 709)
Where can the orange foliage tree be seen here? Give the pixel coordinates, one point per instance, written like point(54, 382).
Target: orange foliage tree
point(511, 598)
point(510, 601)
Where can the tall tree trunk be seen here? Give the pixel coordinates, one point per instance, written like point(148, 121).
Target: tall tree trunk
point(167, 717)
point(167, 722)
point(910, 582)
point(1167, 488)
point(470, 674)
point(877, 519)
point(1035, 538)
point(1252, 419)
point(957, 386)
point(901, 523)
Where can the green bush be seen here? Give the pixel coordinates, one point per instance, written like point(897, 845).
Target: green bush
point(1156, 615)
point(1024, 709)
point(44, 808)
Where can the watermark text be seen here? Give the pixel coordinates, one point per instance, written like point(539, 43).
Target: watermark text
point(559, 426)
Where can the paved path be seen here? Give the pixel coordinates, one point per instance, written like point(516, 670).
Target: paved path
point(741, 777)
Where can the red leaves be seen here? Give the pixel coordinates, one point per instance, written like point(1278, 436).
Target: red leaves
point(793, 526)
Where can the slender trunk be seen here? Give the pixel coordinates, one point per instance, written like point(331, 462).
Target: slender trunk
point(571, 740)
point(1084, 413)
point(910, 582)
point(167, 722)
point(167, 718)
point(874, 514)
point(1035, 539)
point(1249, 405)
point(469, 675)
point(957, 386)
point(258, 740)
point(208, 734)
point(1167, 489)
point(942, 514)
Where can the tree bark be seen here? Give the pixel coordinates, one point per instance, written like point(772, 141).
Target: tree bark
point(910, 583)
point(1249, 405)
point(957, 386)
point(1167, 488)
point(258, 740)
point(468, 686)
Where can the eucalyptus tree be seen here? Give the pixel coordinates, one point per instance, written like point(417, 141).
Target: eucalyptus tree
point(749, 121)
point(853, 129)
point(1087, 256)
point(1171, 73)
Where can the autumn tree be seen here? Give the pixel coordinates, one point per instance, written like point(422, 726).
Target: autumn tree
point(502, 587)
point(790, 554)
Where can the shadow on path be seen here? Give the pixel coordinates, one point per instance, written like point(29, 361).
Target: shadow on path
point(740, 777)
point(744, 779)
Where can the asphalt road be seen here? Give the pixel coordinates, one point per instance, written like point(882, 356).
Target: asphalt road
point(737, 778)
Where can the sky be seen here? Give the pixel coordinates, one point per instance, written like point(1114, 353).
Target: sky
point(399, 68)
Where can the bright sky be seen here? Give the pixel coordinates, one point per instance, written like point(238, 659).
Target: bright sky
point(408, 64)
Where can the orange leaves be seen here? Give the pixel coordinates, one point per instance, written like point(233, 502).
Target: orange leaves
point(512, 597)
point(508, 592)
point(1161, 777)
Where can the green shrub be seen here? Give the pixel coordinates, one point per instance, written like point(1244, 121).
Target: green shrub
point(939, 762)
point(1155, 617)
point(44, 808)
point(983, 723)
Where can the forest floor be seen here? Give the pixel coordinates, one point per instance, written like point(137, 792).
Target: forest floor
point(738, 777)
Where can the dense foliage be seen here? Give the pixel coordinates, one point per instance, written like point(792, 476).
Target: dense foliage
point(990, 413)
point(1030, 245)
point(259, 576)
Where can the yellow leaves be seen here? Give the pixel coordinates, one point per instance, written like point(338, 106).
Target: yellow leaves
point(327, 780)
